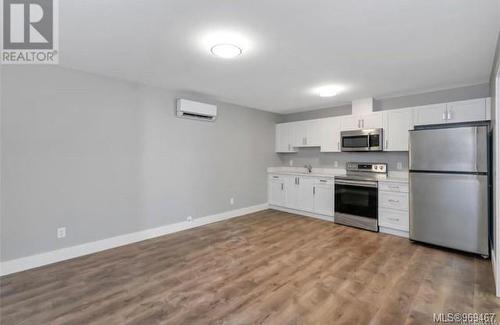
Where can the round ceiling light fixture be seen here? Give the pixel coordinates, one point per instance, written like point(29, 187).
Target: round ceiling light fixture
point(328, 91)
point(226, 50)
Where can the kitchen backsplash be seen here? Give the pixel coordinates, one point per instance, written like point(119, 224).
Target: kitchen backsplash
point(319, 159)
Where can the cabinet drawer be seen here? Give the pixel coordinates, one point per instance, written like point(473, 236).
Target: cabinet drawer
point(394, 219)
point(393, 187)
point(275, 177)
point(393, 200)
point(325, 181)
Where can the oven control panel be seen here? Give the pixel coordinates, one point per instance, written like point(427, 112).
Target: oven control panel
point(367, 167)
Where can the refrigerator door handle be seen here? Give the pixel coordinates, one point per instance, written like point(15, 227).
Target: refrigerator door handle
point(476, 145)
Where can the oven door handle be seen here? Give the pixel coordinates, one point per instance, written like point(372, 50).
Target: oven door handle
point(356, 183)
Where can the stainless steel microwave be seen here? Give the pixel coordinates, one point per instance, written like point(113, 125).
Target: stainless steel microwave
point(362, 140)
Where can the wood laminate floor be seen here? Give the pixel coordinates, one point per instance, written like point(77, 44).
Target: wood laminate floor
point(268, 267)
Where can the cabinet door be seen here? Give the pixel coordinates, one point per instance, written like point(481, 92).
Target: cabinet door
point(291, 192)
point(313, 133)
point(397, 123)
point(372, 121)
point(284, 138)
point(305, 196)
point(351, 122)
point(467, 111)
point(430, 114)
point(280, 139)
point(276, 192)
point(299, 133)
point(330, 134)
point(323, 199)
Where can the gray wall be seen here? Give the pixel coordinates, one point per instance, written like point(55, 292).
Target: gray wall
point(105, 157)
point(441, 96)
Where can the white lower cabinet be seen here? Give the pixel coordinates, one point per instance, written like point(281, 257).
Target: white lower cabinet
point(305, 193)
point(306, 197)
point(276, 190)
point(393, 219)
point(323, 197)
point(393, 208)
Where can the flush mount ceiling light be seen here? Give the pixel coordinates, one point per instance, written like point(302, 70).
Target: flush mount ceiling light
point(225, 44)
point(226, 51)
point(328, 91)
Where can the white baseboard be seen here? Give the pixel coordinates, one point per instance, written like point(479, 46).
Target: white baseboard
point(302, 213)
point(394, 232)
point(67, 253)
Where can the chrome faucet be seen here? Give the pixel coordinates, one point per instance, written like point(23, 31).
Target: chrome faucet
point(309, 168)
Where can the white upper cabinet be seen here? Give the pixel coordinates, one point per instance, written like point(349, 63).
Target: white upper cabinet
point(372, 121)
point(284, 138)
point(330, 134)
point(454, 112)
point(325, 133)
point(350, 122)
point(467, 110)
point(430, 114)
point(397, 123)
point(367, 121)
point(307, 133)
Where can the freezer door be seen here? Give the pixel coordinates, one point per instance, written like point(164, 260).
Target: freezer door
point(450, 210)
point(459, 149)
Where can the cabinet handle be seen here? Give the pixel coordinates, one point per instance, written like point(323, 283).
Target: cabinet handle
point(387, 144)
point(282, 186)
point(305, 140)
point(288, 147)
point(449, 114)
point(444, 115)
point(338, 145)
point(275, 176)
point(314, 190)
point(394, 187)
point(394, 201)
point(393, 219)
point(359, 124)
point(323, 180)
point(363, 123)
point(298, 180)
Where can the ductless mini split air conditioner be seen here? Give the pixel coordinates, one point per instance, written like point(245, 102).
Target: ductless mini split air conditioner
point(196, 110)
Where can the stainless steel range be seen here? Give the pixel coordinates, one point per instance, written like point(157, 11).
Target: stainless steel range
point(356, 195)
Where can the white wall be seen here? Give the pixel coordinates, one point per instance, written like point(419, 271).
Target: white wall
point(105, 157)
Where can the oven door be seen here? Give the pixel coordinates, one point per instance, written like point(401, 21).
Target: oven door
point(358, 198)
point(356, 142)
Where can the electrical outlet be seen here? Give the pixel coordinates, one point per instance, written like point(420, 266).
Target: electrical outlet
point(335, 164)
point(61, 232)
point(399, 165)
point(189, 219)
point(290, 162)
point(231, 201)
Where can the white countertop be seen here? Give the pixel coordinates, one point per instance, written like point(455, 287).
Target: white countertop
point(393, 176)
point(318, 172)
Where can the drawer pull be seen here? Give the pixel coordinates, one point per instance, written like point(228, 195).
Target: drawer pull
point(393, 219)
point(275, 176)
point(323, 180)
point(394, 187)
point(393, 201)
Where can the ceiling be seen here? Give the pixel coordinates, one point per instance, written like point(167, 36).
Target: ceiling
point(372, 48)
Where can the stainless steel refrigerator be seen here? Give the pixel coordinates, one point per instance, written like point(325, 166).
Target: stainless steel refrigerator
point(449, 187)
